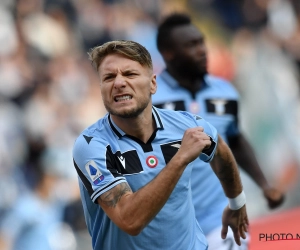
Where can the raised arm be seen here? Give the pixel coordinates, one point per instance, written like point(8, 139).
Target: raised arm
point(133, 211)
point(235, 215)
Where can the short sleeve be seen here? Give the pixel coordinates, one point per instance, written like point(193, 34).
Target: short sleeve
point(92, 161)
point(207, 154)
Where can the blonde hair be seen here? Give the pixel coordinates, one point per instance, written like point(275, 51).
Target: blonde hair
point(131, 50)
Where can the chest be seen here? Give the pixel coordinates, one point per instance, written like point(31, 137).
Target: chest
point(218, 108)
point(140, 163)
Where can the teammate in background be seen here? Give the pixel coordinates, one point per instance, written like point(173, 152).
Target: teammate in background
point(186, 85)
point(36, 217)
point(135, 163)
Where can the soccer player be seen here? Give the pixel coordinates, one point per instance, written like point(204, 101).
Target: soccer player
point(135, 163)
point(186, 85)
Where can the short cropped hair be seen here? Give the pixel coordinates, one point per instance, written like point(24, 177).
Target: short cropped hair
point(163, 39)
point(132, 50)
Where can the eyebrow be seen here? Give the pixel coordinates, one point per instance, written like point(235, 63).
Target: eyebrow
point(126, 71)
point(108, 75)
point(130, 71)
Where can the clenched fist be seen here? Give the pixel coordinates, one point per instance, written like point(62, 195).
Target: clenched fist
point(194, 141)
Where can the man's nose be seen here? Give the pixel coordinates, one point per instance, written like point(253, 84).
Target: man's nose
point(201, 49)
point(119, 82)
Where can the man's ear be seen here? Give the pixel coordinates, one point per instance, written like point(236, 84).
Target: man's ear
point(153, 84)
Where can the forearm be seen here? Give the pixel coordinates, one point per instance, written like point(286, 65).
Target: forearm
point(133, 211)
point(225, 168)
point(246, 159)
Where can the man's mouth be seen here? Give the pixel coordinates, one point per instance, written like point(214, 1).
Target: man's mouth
point(123, 98)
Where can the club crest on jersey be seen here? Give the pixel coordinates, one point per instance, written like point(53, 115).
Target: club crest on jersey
point(151, 161)
point(194, 107)
point(94, 172)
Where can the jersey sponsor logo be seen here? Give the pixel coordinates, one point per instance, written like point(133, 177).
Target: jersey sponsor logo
point(176, 145)
point(169, 105)
point(127, 162)
point(221, 106)
point(174, 105)
point(94, 172)
point(123, 163)
point(152, 161)
point(170, 149)
point(122, 160)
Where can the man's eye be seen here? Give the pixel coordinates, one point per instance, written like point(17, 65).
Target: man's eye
point(131, 74)
point(107, 78)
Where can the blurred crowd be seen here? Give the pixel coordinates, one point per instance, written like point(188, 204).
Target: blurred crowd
point(49, 93)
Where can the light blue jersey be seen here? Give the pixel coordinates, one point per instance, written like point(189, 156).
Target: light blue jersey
point(32, 223)
point(217, 103)
point(104, 156)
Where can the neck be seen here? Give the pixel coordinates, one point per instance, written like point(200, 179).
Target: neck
point(188, 81)
point(141, 127)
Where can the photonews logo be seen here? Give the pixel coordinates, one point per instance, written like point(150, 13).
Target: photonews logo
point(278, 236)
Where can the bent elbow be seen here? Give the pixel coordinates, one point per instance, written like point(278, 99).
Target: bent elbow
point(134, 232)
point(133, 229)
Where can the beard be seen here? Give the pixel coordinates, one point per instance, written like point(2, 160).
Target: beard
point(190, 69)
point(132, 113)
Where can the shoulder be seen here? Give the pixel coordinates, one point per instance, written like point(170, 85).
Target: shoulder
point(97, 132)
point(221, 84)
point(160, 77)
point(165, 81)
point(178, 117)
point(165, 113)
point(179, 121)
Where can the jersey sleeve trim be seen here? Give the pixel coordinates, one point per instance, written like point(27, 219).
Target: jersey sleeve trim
point(99, 192)
point(83, 179)
point(88, 186)
point(207, 154)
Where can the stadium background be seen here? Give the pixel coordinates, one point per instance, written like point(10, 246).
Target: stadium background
point(49, 93)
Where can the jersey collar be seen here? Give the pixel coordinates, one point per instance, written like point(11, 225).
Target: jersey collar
point(119, 132)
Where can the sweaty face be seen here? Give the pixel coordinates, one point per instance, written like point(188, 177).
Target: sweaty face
point(126, 86)
point(189, 51)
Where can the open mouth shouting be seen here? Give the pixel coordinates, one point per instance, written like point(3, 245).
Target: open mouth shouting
point(123, 98)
